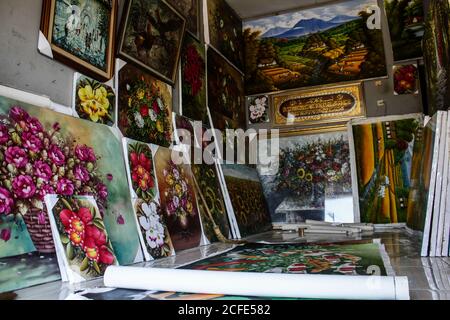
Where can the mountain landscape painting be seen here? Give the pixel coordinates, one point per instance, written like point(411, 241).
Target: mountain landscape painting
point(317, 46)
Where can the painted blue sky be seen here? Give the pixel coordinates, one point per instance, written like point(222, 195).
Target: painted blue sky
point(328, 12)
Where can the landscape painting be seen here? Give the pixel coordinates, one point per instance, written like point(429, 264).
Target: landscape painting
point(406, 27)
point(81, 32)
point(383, 161)
point(247, 199)
point(317, 46)
point(311, 178)
point(151, 37)
point(51, 153)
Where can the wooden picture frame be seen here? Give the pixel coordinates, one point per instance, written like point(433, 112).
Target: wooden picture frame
point(99, 68)
point(138, 51)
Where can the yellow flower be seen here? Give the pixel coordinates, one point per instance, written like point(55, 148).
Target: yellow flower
point(94, 103)
point(170, 181)
point(140, 94)
point(189, 207)
point(301, 173)
point(178, 189)
point(160, 126)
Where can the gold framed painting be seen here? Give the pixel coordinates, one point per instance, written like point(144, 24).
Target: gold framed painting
point(82, 35)
point(319, 106)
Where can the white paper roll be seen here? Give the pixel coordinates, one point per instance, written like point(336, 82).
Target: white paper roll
point(258, 284)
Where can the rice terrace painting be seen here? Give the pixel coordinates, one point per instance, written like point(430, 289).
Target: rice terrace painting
point(323, 45)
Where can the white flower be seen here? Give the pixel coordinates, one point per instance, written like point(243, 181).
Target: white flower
point(222, 24)
point(153, 115)
point(139, 120)
point(176, 174)
point(150, 222)
point(160, 104)
point(128, 87)
point(176, 201)
point(160, 239)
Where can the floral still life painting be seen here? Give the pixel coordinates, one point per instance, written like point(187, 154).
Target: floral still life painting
point(247, 199)
point(151, 37)
point(406, 79)
point(215, 219)
point(193, 79)
point(225, 31)
point(81, 33)
point(315, 46)
point(178, 201)
point(94, 101)
point(184, 130)
point(44, 152)
point(140, 161)
point(311, 179)
point(80, 234)
point(145, 107)
point(383, 151)
point(190, 10)
point(315, 258)
point(258, 109)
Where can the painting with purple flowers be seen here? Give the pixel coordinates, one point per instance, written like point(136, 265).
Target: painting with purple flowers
point(43, 152)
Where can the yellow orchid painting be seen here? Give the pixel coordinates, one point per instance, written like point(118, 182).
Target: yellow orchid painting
point(94, 101)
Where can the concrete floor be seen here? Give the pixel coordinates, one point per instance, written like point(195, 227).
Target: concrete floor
point(429, 278)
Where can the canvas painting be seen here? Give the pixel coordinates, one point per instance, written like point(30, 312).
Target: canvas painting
point(151, 222)
point(94, 101)
point(383, 150)
point(406, 79)
point(178, 200)
point(311, 178)
point(190, 10)
point(247, 199)
point(193, 79)
point(184, 131)
point(81, 34)
point(82, 243)
point(45, 152)
point(145, 107)
point(258, 109)
point(315, 258)
point(310, 47)
point(213, 210)
point(225, 31)
point(151, 37)
point(406, 27)
point(225, 93)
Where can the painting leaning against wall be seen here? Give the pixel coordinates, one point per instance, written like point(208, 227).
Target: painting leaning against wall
point(383, 150)
point(313, 47)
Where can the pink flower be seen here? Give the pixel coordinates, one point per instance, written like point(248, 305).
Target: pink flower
point(5, 234)
point(4, 135)
point(42, 170)
point(18, 114)
point(102, 191)
point(31, 142)
point(45, 190)
point(6, 201)
point(34, 125)
point(65, 187)
point(24, 187)
point(16, 156)
point(85, 153)
point(110, 177)
point(56, 156)
point(81, 173)
point(41, 218)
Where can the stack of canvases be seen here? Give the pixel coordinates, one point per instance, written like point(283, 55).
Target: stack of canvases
point(65, 186)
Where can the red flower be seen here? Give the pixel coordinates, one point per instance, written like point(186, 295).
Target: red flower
point(144, 111)
point(75, 224)
point(94, 236)
point(106, 257)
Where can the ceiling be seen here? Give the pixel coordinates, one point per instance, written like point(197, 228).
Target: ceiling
point(257, 8)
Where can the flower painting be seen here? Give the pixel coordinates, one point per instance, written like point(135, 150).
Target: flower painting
point(145, 107)
point(258, 109)
point(406, 27)
point(151, 37)
point(80, 234)
point(406, 79)
point(140, 160)
point(184, 130)
point(178, 200)
point(383, 159)
point(94, 101)
point(193, 79)
point(225, 93)
point(247, 199)
point(81, 34)
point(352, 258)
point(225, 31)
point(311, 178)
point(44, 152)
point(329, 43)
point(190, 10)
point(213, 211)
